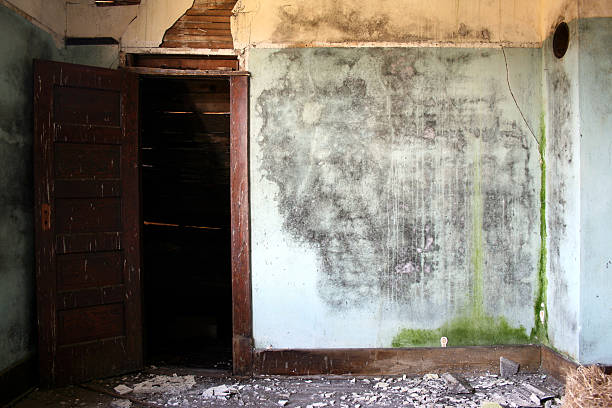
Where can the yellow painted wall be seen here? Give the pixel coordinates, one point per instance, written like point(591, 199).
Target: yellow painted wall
point(273, 22)
point(278, 23)
point(552, 12)
point(136, 26)
point(47, 14)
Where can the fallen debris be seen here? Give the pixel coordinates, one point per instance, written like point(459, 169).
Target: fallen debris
point(538, 394)
point(121, 403)
point(122, 389)
point(221, 391)
point(165, 384)
point(507, 367)
point(457, 384)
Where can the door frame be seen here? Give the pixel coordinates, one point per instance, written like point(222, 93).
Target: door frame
point(242, 314)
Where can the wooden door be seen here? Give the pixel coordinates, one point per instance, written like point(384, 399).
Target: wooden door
point(87, 222)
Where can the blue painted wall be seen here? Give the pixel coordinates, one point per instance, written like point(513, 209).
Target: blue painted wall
point(20, 43)
point(561, 106)
point(595, 67)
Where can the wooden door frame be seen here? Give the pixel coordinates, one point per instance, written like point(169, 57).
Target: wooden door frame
point(242, 314)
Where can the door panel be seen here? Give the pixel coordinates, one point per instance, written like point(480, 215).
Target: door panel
point(87, 222)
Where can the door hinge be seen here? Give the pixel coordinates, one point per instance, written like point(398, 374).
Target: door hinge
point(46, 217)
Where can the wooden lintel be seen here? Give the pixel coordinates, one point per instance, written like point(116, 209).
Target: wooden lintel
point(185, 72)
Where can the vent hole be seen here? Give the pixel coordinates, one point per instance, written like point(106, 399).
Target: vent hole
point(561, 40)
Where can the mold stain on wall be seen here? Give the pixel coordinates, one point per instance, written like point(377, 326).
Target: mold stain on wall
point(343, 21)
point(404, 171)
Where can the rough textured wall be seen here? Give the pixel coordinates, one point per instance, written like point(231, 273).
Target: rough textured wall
point(596, 189)
point(552, 12)
point(136, 26)
point(261, 22)
point(561, 103)
point(393, 189)
point(47, 14)
point(20, 43)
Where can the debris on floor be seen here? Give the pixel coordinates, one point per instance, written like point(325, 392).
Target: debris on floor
point(507, 367)
point(221, 391)
point(165, 384)
point(119, 403)
point(434, 390)
point(122, 389)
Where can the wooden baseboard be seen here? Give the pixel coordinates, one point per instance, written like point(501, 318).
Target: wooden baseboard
point(558, 365)
point(411, 361)
point(18, 378)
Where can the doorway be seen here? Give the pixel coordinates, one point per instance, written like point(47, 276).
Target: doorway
point(186, 242)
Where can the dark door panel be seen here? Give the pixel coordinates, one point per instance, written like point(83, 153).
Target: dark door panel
point(87, 222)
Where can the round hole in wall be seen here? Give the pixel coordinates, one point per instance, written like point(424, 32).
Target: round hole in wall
point(561, 40)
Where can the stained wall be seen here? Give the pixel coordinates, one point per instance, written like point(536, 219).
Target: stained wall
point(394, 189)
point(396, 192)
point(562, 107)
point(21, 42)
point(595, 95)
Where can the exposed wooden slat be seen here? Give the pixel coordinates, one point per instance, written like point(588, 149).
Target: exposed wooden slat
point(199, 31)
point(197, 37)
point(209, 12)
point(189, 30)
point(205, 18)
point(180, 25)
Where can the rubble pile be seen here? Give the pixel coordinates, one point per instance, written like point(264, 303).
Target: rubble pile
point(428, 391)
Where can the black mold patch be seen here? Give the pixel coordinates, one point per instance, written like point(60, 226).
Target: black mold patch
point(375, 170)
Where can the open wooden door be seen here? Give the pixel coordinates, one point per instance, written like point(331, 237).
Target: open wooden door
point(87, 222)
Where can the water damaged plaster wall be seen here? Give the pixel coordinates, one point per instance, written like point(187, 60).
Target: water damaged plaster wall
point(595, 67)
point(395, 196)
point(563, 193)
point(20, 43)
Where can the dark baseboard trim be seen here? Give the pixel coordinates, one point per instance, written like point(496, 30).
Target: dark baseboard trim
point(392, 361)
point(558, 365)
point(18, 378)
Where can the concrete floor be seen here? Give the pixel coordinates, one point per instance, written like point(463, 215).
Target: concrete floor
point(190, 388)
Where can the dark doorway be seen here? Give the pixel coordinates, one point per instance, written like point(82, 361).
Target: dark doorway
point(185, 156)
